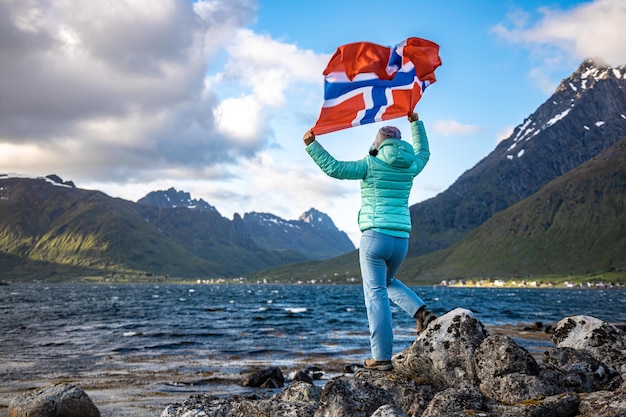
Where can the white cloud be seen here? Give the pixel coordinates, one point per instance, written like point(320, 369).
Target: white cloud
point(590, 30)
point(239, 118)
point(270, 67)
point(118, 91)
point(452, 127)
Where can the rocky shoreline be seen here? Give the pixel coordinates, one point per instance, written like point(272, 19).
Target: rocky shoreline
point(455, 368)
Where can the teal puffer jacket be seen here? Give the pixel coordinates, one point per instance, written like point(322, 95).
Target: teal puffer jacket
point(386, 179)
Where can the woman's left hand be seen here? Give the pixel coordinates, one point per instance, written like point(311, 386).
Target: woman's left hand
point(309, 137)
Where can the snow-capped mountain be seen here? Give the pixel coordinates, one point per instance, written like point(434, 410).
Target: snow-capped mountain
point(576, 97)
point(314, 233)
point(171, 198)
point(50, 229)
point(585, 115)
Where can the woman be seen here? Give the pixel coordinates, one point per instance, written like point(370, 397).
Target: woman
point(386, 179)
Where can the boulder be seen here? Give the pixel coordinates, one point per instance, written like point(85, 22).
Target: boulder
point(456, 402)
point(300, 392)
point(604, 403)
point(508, 372)
point(388, 410)
point(580, 371)
point(561, 405)
point(300, 399)
point(57, 400)
point(499, 355)
point(456, 369)
point(604, 341)
point(351, 397)
point(411, 394)
point(264, 378)
point(444, 354)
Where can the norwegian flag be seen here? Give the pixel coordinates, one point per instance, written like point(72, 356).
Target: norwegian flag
point(366, 83)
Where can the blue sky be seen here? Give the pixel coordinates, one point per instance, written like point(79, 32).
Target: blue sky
point(213, 97)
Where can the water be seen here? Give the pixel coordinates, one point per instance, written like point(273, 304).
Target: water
point(206, 335)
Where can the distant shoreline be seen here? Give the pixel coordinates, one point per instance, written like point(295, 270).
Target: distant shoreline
point(531, 284)
point(239, 281)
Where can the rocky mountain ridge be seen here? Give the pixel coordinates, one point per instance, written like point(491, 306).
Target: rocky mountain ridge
point(171, 198)
point(585, 115)
point(313, 232)
point(49, 229)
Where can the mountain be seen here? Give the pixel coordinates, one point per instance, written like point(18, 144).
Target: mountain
point(314, 233)
point(172, 198)
point(49, 229)
point(574, 225)
point(585, 115)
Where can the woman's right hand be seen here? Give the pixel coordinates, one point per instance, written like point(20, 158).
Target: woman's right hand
point(413, 117)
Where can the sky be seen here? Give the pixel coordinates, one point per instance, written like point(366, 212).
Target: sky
point(213, 97)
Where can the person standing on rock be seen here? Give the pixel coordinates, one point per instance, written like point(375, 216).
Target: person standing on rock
point(386, 176)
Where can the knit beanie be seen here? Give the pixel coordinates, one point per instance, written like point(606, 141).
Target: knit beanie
point(385, 133)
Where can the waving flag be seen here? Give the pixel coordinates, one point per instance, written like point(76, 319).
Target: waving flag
point(367, 83)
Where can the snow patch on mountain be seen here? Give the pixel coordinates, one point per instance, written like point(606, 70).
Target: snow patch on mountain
point(52, 179)
point(563, 101)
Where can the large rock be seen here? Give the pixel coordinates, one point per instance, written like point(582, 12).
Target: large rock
point(351, 397)
point(300, 399)
point(58, 400)
point(264, 378)
point(508, 373)
point(444, 354)
point(456, 369)
point(389, 411)
point(602, 340)
point(604, 403)
point(580, 371)
point(411, 394)
point(562, 405)
point(456, 402)
point(499, 355)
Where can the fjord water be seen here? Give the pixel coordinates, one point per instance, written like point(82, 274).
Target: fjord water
point(83, 331)
point(239, 323)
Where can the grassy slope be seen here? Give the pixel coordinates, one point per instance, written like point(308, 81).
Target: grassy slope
point(60, 238)
point(575, 225)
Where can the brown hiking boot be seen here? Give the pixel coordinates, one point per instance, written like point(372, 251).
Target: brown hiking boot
point(423, 318)
point(378, 365)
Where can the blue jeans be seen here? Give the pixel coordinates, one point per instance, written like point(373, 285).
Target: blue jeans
point(380, 257)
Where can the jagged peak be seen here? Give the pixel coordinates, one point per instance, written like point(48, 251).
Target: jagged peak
point(313, 216)
point(173, 198)
point(588, 73)
point(317, 219)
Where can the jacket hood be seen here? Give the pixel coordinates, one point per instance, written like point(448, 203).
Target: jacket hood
point(396, 152)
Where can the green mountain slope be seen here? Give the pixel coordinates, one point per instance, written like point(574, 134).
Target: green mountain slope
point(575, 225)
point(583, 117)
point(54, 232)
point(50, 230)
